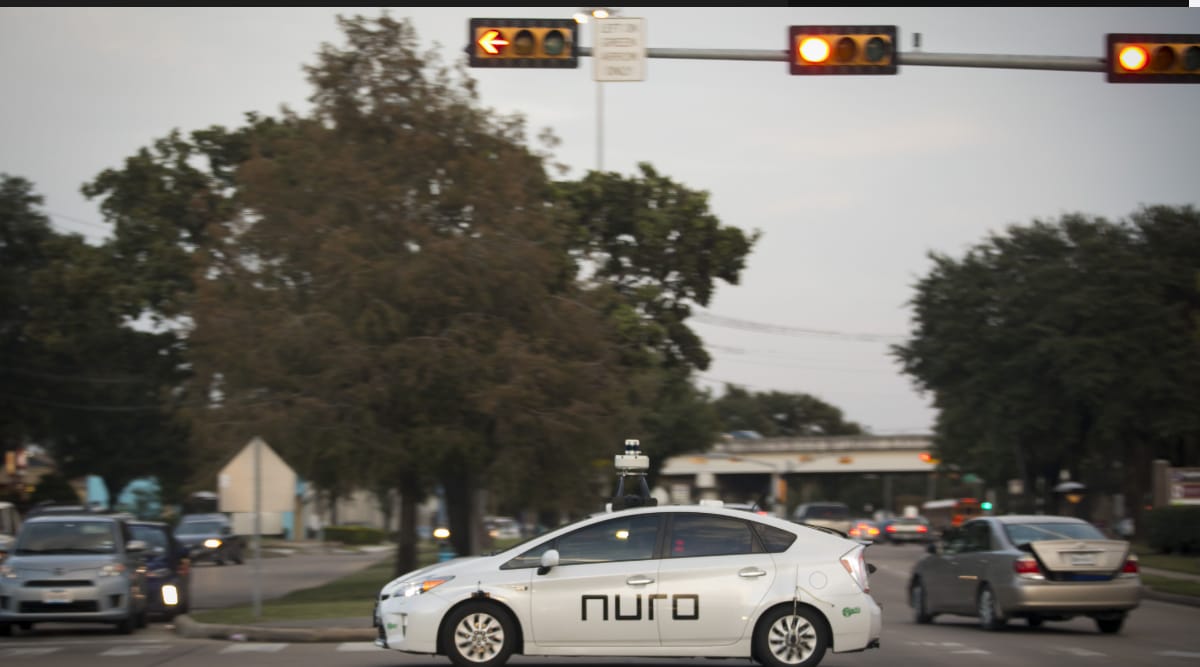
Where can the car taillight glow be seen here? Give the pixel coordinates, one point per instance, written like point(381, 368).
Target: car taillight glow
point(856, 566)
point(1026, 565)
point(1130, 566)
point(922, 529)
point(891, 529)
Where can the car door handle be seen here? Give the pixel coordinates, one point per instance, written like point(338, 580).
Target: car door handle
point(751, 572)
point(639, 580)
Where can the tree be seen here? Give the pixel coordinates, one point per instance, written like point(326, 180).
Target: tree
point(1064, 346)
point(777, 414)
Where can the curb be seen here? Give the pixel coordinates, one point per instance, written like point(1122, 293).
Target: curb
point(1189, 600)
point(186, 627)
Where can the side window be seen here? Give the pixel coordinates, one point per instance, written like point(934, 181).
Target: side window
point(708, 535)
point(954, 541)
point(978, 536)
point(626, 538)
point(775, 539)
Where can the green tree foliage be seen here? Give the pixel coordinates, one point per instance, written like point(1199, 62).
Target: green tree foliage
point(780, 415)
point(90, 382)
point(1065, 346)
point(658, 250)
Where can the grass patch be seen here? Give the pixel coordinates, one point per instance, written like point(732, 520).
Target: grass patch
point(1173, 562)
point(1172, 585)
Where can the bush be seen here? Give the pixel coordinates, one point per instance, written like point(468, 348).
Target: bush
point(353, 534)
point(1173, 529)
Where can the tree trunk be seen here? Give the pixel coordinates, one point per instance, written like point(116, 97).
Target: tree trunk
point(406, 542)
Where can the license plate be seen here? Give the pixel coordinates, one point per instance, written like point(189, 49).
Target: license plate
point(1082, 559)
point(56, 596)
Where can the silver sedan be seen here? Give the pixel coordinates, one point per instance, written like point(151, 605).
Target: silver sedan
point(1035, 567)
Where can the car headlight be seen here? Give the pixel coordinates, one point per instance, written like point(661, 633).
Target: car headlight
point(7, 572)
point(212, 543)
point(417, 586)
point(111, 570)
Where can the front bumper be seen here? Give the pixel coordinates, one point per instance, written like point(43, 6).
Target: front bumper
point(107, 599)
point(410, 624)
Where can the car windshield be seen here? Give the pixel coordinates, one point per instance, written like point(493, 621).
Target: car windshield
point(67, 537)
point(828, 512)
point(153, 537)
point(1024, 533)
point(198, 528)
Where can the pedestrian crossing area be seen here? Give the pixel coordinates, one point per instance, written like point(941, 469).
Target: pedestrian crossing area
point(9, 651)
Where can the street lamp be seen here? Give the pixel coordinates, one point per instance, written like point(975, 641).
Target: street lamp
point(581, 17)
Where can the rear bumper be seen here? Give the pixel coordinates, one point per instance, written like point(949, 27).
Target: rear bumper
point(1120, 594)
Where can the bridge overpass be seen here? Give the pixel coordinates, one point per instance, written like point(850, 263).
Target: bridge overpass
point(878, 471)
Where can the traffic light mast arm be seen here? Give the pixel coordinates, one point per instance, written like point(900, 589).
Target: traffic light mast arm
point(909, 59)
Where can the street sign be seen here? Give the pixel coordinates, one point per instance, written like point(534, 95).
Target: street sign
point(620, 49)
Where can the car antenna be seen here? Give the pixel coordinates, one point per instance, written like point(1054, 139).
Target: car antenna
point(632, 464)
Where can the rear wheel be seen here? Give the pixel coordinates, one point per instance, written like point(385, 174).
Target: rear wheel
point(479, 634)
point(5, 630)
point(990, 617)
point(1034, 621)
point(1110, 626)
point(919, 606)
point(788, 637)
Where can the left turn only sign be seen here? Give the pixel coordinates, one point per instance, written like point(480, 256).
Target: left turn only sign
point(620, 49)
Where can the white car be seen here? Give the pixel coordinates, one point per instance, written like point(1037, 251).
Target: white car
point(660, 581)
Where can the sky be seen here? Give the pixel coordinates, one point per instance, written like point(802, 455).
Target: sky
point(850, 180)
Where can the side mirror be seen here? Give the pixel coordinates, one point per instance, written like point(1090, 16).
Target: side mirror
point(871, 568)
point(135, 546)
point(931, 548)
point(549, 560)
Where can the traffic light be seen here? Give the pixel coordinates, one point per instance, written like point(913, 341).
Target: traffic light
point(1153, 58)
point(523, 43)
point(842, 49)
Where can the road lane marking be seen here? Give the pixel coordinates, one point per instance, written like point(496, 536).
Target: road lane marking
point(14, 652)
point(253, 648)
point(1075, 650)
point(135, 650)
point(1178, 654)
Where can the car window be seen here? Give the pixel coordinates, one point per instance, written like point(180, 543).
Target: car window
point(198, 528)
point(153, 537)
point(708, 535)
point(67, 537)
point(977, 536)
point(620, 539)
point(776, 540)
point(1024, 533)
point(954, 541)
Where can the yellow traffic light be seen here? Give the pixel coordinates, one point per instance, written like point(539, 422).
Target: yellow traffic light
point(1153, 58)
point(842, 49)
point(523, 43)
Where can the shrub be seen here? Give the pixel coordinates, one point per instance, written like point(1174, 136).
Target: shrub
point(1174, 529)
point(353, 534)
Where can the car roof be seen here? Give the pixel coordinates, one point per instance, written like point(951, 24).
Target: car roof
point(82, 516)
point(1034, 518)
point(211, 516)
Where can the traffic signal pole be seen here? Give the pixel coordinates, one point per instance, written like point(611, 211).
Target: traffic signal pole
point(904, 59)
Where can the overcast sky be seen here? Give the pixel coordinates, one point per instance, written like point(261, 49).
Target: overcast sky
point(851, 180)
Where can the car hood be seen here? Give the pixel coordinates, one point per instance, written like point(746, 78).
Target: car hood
point(445, 568)
point(60, 565)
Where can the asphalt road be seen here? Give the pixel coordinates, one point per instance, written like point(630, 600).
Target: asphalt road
point(1158, 634)
point(217, 586)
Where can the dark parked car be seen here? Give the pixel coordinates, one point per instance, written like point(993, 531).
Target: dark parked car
point(1036, 567)
point(168, 570)
point(906, 529)
point(210, 537)
point(75, 569)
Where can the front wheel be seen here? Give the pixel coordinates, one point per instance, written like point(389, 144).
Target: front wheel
point(791, 637)
point(920, 607)
point(990, 617)
point(479, 634)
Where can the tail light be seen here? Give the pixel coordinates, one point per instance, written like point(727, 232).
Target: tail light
point(891, 529)
point(1027, 567)
point(922, 529)
point(1130, 566)
point(856, 566)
